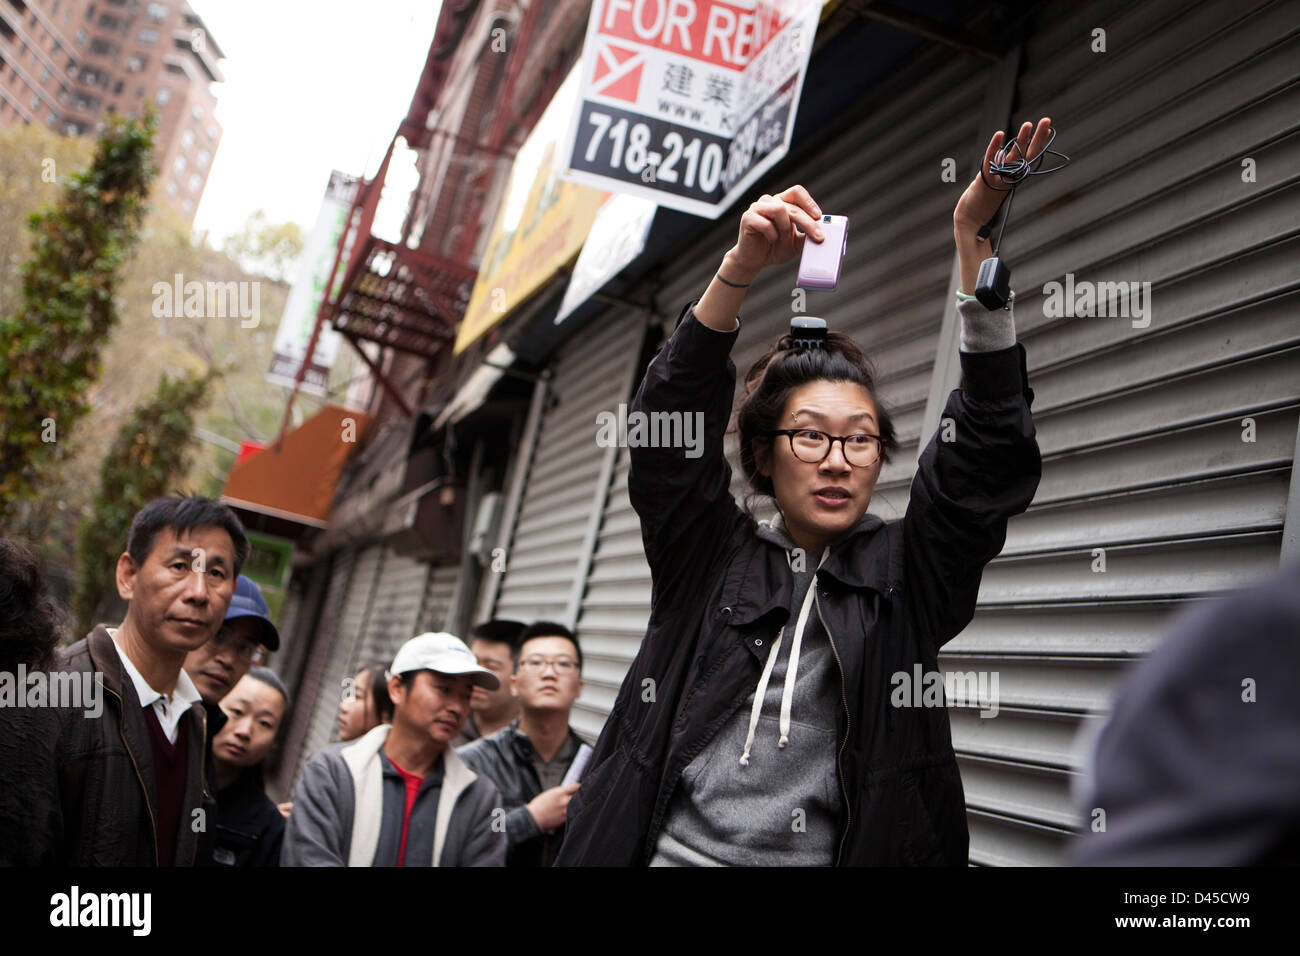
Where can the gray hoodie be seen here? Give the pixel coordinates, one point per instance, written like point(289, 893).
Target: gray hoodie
point(748, 799)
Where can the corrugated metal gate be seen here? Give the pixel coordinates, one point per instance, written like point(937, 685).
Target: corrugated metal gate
point(438, 597)
point(290, 614)
point(569, 475)
point(394, 612)
point(1170, 446)
point(1141, 428)
point(615, 606)
point(333, 666)
point(320, 646)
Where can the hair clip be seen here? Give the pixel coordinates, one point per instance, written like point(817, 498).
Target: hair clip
point(807, 332)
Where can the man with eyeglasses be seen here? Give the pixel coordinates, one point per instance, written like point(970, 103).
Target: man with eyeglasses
point(245, 636)
point(537, 760)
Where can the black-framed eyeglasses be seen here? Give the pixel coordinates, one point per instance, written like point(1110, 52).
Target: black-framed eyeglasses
point(813, 446)
point(536, 664)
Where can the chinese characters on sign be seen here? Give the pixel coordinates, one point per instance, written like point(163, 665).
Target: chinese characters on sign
point(687, 102)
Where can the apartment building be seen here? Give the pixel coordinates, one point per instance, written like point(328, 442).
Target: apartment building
point(69, 63)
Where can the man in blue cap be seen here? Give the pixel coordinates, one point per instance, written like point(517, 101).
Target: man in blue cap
point(245, 636)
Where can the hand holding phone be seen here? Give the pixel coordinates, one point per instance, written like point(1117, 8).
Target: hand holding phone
point(819, 267)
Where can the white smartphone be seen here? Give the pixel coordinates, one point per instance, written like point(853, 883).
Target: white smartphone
point(819, 267)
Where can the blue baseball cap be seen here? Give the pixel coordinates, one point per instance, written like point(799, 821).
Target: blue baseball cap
point(248, 602)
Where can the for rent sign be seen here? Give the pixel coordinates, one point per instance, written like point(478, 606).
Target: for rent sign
point(687, 102)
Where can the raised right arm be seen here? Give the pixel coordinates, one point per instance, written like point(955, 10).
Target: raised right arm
point(683, 494)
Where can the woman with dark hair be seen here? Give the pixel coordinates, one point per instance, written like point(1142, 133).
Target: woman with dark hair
point(368, 705)
point(250, 828)
point(31, 621)
point(760, 723)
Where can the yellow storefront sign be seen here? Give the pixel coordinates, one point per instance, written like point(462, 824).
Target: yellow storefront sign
point(541, 226)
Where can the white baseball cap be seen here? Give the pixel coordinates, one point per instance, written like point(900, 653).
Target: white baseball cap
point(444, 653)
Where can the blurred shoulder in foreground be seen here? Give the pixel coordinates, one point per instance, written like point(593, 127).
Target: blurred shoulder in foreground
point(1199, 764)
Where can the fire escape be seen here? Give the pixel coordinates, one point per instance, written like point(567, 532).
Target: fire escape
point(410, 300)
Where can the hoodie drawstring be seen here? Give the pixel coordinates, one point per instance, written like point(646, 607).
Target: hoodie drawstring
point(758, 696)
point(791, 673)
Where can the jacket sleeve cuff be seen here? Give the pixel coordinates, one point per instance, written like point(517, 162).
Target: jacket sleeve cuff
point(520, 826)
point(992, 376)
point(695, 345)
point(986, 330)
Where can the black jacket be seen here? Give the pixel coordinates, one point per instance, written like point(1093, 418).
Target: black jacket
point(250, 830)
point(890, 595)
point(79, 791)
point(506, 758)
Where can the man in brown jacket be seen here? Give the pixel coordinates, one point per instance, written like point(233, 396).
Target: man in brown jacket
point(120, 780)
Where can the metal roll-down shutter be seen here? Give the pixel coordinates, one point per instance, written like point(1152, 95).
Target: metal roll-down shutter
point(333, 667)
point(549, 547)
point(394, 611)
point(1150, 462)
point(319, 643)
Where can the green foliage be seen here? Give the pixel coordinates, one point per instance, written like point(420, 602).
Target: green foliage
point(266, 248)
point(33, 158)
point(150, 454)
point(50, 349)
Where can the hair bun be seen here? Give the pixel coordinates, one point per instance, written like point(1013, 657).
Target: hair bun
point(807, 332)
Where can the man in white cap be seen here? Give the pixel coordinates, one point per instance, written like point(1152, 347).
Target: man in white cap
point(399, 795)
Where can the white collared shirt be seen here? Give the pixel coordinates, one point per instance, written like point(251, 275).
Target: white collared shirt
point(168, 710)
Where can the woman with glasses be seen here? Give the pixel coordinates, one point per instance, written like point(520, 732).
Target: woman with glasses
point(762, 721)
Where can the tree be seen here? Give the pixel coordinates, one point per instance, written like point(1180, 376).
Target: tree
point(51, 346)
point(150, 454)
point(33, 157)
point(266, 248)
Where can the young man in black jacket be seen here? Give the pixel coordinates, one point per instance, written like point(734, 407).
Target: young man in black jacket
point(533, 759)
point(495, 644)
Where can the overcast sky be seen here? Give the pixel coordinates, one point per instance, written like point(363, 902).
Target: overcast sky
point(311, 85)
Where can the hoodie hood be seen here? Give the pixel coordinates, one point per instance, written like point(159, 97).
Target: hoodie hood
point(840, 567)
point(776, 532)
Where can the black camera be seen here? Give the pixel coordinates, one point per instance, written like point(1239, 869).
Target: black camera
point(993, 287)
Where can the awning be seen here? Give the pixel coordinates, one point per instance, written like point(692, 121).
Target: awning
point(473, 392)
point(296, 481)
